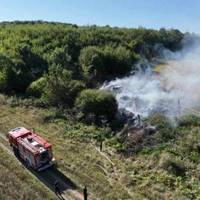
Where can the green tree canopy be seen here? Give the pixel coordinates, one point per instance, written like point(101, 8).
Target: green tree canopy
point(91, 61)
point(37, 88)
point(7, 74)
point(60, 57)
point(101, 63)
point(61, 89)
point(98, 103)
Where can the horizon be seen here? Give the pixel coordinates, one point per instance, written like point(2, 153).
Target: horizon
point(154, 14)
point(84, 25)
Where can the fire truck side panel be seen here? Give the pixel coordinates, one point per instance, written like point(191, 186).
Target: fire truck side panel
point(27, 156)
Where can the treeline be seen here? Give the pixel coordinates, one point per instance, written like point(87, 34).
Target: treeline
point(57, 62)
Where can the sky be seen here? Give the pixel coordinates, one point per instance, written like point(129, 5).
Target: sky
point(180, 14)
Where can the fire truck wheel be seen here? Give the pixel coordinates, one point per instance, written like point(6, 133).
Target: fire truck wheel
point(16, 151)
point(28, 165)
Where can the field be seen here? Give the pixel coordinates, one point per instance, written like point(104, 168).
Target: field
point(151, 173)
point(80, 161)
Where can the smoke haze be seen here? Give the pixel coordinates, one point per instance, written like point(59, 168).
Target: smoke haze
point(174, 91)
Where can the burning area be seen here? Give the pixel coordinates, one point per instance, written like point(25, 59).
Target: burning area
point(172, 90)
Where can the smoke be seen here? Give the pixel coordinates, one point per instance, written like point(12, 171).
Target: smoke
point(174, 91)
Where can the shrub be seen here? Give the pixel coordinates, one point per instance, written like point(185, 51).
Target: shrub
point(116, 143)
point(89, 132)
point(61, 89)
point(36, 88)
point(118, 61)
point(189, 120)
point(6, 73)
point(189, 144)
point(91, 61)
point(3, 81)
point(166, 130)
point(97, 103)
point(99, 63)
point(172, 164)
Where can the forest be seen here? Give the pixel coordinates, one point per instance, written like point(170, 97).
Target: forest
point(63, 65)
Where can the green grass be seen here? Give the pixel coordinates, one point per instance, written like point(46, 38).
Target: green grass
point(149, 174)
point(17, 183)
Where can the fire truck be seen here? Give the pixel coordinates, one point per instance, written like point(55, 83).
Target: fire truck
point(30, 147)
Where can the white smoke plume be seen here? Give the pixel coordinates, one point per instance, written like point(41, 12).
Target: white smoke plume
point(174, 91)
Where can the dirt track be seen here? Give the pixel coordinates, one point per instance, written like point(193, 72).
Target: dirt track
point(48, 177)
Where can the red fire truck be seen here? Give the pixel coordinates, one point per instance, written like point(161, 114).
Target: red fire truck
point(33, 149)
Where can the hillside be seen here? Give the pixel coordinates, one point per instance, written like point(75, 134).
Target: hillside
point(51, 76)
point(167, 170)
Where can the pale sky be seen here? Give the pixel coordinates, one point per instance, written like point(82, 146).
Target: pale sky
point(181, 14)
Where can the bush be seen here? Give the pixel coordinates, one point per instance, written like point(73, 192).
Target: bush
point(91, 61)
point(189, 120)
point(166, 130)
point(36, 88)
point(97, 103)
point(3, 81)
point(89, 132)
point(61, 89)
point(118, 61)
point(172, 164)
point(6, 73)
point(99, 63)
point(189, 144)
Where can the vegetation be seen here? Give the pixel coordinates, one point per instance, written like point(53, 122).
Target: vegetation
point(99, 63)
point(28, 50)
point(167, 170)
point(60, 88)
point(97, 103)
point(54, 62)
point(50, 74)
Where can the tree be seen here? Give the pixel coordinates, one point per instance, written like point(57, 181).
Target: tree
point(60, 57)
point(97, 103)
point(6, 74)
point(93, 54)
point(99, 64)
point(61, 89)
point(36, 88)
point(32, 63)
point(118, 61)
point(91, 61)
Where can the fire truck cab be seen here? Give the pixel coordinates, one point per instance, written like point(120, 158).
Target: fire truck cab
point(33, 149)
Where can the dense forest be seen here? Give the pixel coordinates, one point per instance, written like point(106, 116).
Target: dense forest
point(62, 65)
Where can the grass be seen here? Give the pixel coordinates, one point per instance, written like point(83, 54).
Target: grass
point(77, 159)
point(16, 183)
point(149, 174)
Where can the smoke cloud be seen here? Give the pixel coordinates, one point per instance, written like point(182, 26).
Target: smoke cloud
point(174, 90)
